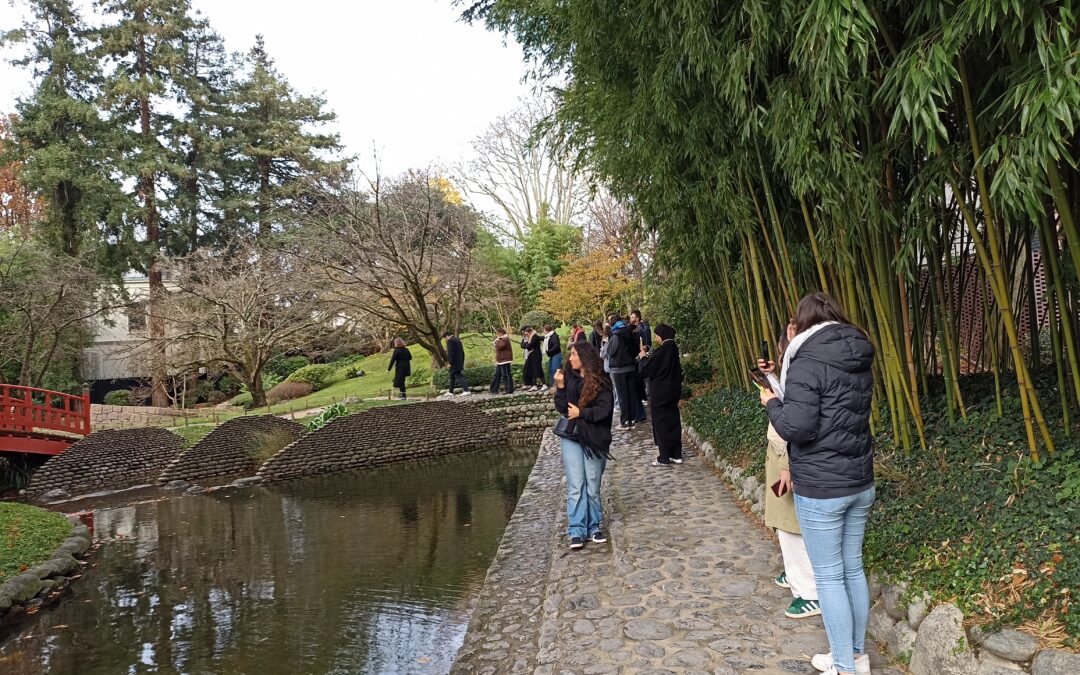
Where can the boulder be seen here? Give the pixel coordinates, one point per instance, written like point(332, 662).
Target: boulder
point(177, 485)
point(941, 646)
point(880, 624)
point(749, 485)
point(902, 640)
point(251, 480)
point(54, 496)
point(1055, 662)
point(1007, 644)
point(892, 597)
point(22, 587)
point(917, 610)
point(992, 665)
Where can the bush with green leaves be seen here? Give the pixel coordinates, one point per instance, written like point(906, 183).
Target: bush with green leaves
point(323, 418)
point(241, 399)
point(475, 376)
point(283, 366)
point(420, 377)
point(119, 397)
point(318, 375)
point(537, 319)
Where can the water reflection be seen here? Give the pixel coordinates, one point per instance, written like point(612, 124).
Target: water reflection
point(342, 574)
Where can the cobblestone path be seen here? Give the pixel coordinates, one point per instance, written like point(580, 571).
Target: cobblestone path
point(684, 585)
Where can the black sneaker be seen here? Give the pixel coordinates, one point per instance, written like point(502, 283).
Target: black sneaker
point(576, 543)
point(598, 537)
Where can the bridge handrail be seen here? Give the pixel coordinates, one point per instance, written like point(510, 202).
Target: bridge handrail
point(20, 413)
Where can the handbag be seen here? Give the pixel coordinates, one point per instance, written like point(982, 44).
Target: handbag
point(565, 428)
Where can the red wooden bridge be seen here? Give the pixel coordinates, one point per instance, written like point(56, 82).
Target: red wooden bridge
point(41, 422)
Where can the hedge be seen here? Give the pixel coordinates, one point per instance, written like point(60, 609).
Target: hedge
point(317, 375)
point(476, 376)
point(119, 397)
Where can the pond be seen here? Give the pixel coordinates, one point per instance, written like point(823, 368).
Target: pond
point(355, 573)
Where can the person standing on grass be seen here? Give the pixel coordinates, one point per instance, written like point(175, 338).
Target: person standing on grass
point(553, 350)
point(664, 371)
point(401, 364)
point(504, 358)
point(798, 574)
point(583, 394)
point(824, 416)
point(455, 354)
point(534, 367)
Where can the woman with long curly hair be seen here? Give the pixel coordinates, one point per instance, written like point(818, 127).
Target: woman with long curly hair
point(583, 394)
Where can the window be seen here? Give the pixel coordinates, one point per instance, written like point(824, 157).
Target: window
point(136, 315)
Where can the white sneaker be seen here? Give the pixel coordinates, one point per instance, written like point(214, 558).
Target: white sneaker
point(824, 663)
point(466, 393)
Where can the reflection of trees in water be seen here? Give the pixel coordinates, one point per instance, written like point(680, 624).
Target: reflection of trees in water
point(364, 573)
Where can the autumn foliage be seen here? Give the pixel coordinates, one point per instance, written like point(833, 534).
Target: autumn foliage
point(589, 287)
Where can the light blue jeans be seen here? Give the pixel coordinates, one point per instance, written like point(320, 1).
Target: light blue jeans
point(833, 530)
point(584, 514)
point(554, 363)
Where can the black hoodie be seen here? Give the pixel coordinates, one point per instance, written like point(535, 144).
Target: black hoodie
point(825, 414)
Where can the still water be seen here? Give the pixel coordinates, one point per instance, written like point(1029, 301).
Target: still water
point(357, 573)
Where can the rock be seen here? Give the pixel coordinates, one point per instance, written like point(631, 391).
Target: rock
point(243, 482)
point(177, 485)
point(54, 496)
point(195, 490)
point(891, 596)
point(917, 610)
point(874, 585)
point(584, 627)
point(902, 640)
point(1008, 644)
point(22, 587)
point(749, 485)
point(75, 545)
point(880, 624)
point(941, 647)
point(992, 665)
point(1055, 662)
point(647, 629)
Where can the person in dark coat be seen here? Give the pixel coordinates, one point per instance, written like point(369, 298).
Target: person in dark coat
point(596, 339)
point(553, 350)
point(531, 345)
point(622, 352)
point(664, 371)
point(455, 354)
point(504, 358)
point(583, 394)
point(825, 418)
point(401, 364)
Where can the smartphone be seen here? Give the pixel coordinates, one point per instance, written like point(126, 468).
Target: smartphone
point(759, 379)
point(765, 351)
point(775, 487)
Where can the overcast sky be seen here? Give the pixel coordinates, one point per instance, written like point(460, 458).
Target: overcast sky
point(405, 77)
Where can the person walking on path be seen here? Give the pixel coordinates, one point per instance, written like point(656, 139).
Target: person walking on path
point(623, 349)
point(455, 354)
point(583, 395)
point(504, 358)
point(401, 364)
point(553, 350)
point(534, 367)
point(798, 574)
point(664, 371)
point(824, 416)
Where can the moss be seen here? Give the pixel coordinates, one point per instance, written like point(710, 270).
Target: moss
point(28, 536)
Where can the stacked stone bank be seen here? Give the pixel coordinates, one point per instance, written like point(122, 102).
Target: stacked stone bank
point(233, 449)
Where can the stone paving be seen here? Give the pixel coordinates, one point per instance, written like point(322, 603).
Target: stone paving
point(683, 586)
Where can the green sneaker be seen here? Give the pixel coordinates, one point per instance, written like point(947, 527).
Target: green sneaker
point(801, 609)
point(781, 580)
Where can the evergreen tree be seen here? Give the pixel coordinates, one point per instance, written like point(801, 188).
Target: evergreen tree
point(278, 144)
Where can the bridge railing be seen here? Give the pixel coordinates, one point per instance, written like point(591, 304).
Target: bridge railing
point(29, 410)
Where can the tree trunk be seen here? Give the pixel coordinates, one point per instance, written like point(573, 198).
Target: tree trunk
point(255, 386)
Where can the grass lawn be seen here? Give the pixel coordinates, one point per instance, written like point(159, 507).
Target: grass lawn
point(28, 536)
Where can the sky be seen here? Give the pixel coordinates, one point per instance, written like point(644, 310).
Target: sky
point(408, 81)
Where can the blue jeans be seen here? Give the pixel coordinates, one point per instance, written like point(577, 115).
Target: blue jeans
point(554, 363)
point(833, 531)
point(583, 475)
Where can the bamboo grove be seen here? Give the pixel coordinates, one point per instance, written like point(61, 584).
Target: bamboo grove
point(901, 155)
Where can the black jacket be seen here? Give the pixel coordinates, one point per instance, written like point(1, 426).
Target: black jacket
point(553, 345)
point(623, 348)
point(596, 339)
point(644, 332)
point(402, 359)
point(593, 427)
point(825, 414)
point(664, 372)
point(455, 353)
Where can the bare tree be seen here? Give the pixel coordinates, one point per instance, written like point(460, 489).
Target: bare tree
point(613, 225)
point(400, 251)
point(236, 310)
point(520, 167)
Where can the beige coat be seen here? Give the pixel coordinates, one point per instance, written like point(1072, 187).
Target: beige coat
point(779, 511)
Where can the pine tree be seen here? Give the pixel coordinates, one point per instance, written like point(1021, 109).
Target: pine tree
point(277, 143)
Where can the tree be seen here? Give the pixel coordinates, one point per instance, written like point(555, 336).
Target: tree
point(520, 166)
point(237, 309)
point(546, 249)
point(402, 251)
point(19, 207)
point(589, 287)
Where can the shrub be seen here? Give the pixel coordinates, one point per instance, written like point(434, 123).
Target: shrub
point(475, 376)
point(420, 376)
point(283, 366)
point(538, 319)
point(287, 391)
point(215, 396)
point(318, 375)
point(697, 371)
point(241, 399)
point(348, 371)
point(119, 397)
point(229, 385)
point(323, 418)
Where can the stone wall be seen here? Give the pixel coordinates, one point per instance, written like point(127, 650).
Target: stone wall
point(233, 448)
point(932, 639)
point(117, 416)
point(525, 416)
point(54, 573)
point(111, 459)
point(386, 436)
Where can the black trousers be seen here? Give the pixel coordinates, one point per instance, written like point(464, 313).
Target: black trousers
point(399, 382)
point(667, 431)
point(456, 377)
point(630, 408)
point(503, 374)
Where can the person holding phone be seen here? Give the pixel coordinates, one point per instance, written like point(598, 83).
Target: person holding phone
point(664, 371)
point(798, 574)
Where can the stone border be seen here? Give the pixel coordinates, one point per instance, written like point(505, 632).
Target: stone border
point(22, 590)
point(932, 642)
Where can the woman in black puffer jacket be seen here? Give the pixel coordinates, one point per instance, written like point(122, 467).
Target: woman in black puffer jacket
point(825, 418)
point(583, 394)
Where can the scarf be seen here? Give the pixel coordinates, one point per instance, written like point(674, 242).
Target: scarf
point(797, 342)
